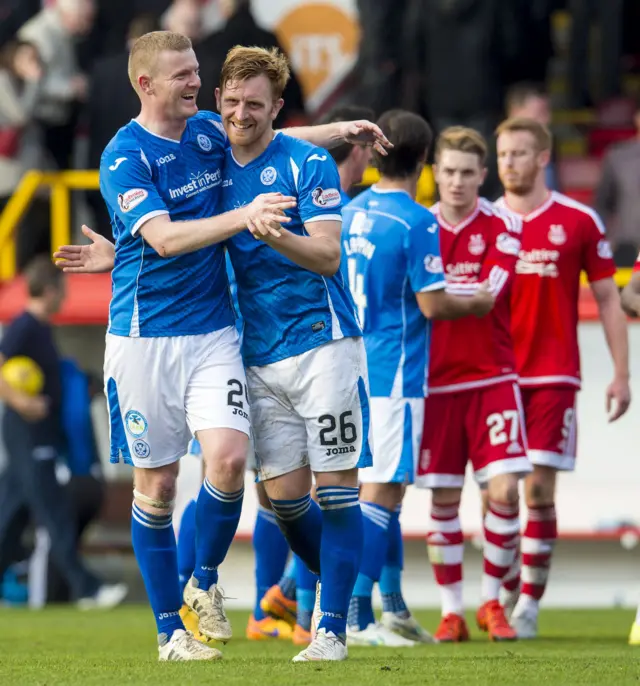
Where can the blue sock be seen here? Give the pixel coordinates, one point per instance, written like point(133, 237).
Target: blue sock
point(154, 545)
point(217, 517)
point(340, 554)
point(271, 552)
point(287, 581)
point(391, 577)
point(305, 594)
point(301, 524)
point(375, 527)
point(187, 544)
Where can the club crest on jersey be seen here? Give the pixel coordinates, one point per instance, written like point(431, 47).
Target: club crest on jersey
point(557, 234)
point(477, 244)
point(268, 176)
point(604, 250)
point(130, 199)
point(136, 423)
point(325, 197)
point(204, 142)
point(141, 449)
point(433, 264)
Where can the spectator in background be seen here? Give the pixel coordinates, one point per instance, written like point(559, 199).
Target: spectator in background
point(618, 197)
point(111, 104)
point(609, 16)
point(21, 79)
point(54, 31)
point(460, 56)
point(13, 14)
point(184, 16)
point(376, 79)
point(241, 29)
point(32, 429)
point(531, 101)
point(352, 160)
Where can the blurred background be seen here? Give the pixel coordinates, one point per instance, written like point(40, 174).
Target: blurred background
point(574, 64)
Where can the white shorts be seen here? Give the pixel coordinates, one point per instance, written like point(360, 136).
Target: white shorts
point(397, 433)
point(161, 391)
point(312, 410)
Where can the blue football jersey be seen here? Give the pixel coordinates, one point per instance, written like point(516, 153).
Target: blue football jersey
point(287, 310)
point(391, 244)
point(143, 175)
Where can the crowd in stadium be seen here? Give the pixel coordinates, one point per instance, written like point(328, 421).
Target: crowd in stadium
point(370, 344)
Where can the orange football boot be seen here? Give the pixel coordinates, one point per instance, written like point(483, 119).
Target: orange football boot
point(267, 629)
point(452, 629)
point(491, 618)
point(275, 604)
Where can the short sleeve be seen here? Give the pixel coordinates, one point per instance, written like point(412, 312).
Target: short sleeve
point(597, 256)
point(128, 188)
point(318, 185)
point(14, 339)
point(636, 266)
point(424, 262)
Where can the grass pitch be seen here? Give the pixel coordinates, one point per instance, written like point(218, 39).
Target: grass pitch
point(63, 646)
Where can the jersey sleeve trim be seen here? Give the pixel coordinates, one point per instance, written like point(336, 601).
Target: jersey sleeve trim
point(605, 274)
point(144, 219)
point(437, 286)
point(324, 218)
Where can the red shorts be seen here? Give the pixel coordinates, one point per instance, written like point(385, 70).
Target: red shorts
point(551, 426)
point(484, 426)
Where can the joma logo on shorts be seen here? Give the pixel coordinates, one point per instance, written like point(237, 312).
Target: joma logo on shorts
point(340, 451)
point(242, 413)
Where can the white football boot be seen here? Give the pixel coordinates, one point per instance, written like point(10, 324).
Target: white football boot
point(407, 627)
point(183, 646)
point(209, 607)
point(377, 635)
point(106, 597)
point(524, 618)
point(325, 646)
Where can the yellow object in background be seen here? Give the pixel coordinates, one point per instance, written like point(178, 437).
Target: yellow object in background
point(426, 194)
point(23, 374)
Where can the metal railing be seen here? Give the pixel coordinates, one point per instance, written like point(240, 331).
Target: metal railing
point(60, 184)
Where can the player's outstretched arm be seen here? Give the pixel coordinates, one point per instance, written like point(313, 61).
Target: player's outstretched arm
point(331, 135)
point(442, 305)
point(318, 252)
point(614, 323)
point(169, 238)
point(631, 296)
point(93, 258)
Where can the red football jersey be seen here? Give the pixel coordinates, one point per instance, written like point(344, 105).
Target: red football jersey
point(474, 352)
point(560, 239)
point(636, 266)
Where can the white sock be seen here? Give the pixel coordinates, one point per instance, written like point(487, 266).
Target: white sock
point(526, 605)
point(451, 596)
point(638, 615)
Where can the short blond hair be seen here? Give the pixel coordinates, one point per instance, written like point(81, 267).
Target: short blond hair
point(145, 50)
point(539, 131)
point(246, 63)
point(462, 139)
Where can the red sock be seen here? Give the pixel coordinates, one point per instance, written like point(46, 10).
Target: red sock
point(445, 546)
point(537, 547)
point(501, 532)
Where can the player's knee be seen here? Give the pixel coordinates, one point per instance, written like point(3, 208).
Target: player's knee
point(156, 489)
point(446, 496)
point(504, 488)
point(540, 488)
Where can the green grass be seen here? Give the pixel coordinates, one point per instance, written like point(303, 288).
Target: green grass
point(63, 646)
